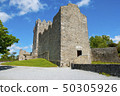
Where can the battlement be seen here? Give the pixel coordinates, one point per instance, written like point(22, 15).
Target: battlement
point(57, 40)
point(70, 4)
point(39, 22)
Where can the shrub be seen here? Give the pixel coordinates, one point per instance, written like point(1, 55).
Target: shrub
point(119, 54)
point(105, 74)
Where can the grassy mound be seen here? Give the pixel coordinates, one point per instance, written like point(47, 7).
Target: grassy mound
point(39, 62)
point(99, 62)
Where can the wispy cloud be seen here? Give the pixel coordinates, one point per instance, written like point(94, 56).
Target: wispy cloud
point(2, 1)
point(116, 39)
point(28, 19)
point(4, 16)
point(15, 48)
point(83, 3)
point(26, 6)
point(69, 1)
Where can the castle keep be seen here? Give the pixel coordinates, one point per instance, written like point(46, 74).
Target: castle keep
point(64, 41)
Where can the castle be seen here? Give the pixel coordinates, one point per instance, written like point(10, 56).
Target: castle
point(64, 41)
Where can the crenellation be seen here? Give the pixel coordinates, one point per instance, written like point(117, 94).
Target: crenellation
point(65, 40)
point(60, 41)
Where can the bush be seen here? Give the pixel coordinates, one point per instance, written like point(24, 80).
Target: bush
point(118, 49)
point(8, 59)
point(112, 45)
point(119, 54)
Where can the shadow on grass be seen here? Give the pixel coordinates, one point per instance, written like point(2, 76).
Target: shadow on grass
point(5, 67)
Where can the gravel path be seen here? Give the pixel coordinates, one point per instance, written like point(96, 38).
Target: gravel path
point(38, 73)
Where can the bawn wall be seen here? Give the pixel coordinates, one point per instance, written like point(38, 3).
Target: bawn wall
point(105, 54)
point(112, 69)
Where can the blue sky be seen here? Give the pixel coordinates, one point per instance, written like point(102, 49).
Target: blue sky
point(19, 17)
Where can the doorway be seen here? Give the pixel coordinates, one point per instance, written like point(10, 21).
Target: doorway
point(79, 53)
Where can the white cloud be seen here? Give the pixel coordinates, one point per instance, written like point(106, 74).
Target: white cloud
point(15, 48)
point(31, 46)
point(26, 6)
point(55, 7)
point(4, 16)
point(116, 39)
point(83, 3)
point(69, 1)
point(2, 1)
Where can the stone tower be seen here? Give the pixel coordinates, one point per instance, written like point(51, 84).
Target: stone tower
point(74, 36)
point(64, 41)
point(38, 29)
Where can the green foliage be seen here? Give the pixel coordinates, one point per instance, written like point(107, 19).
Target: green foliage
point(119, 54)
point(100, 41)
point(40, 62)
point(12, 56)
point(112, 45)
point(105, 74)
point(6, 40)
point(99, 62)
point(8, 57)
point(118, 47)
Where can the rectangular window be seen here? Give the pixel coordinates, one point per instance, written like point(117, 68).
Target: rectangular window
point(79, 53)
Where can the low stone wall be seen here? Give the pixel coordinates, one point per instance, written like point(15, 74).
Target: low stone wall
point(109, 54)
point(29, 57)
point(84, 59)
point(112, 69)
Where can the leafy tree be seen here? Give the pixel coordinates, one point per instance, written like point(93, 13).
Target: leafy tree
point(118, 47)
point(107, 39)
point(100, 41)
point(17, 57)
point(6, 40)
point(13, 55)
point(119, 43)
point(5, 56)
point(112, 45)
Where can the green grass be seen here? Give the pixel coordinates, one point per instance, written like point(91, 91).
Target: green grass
point(40, 62)
point(99, 62)
point(105, 74)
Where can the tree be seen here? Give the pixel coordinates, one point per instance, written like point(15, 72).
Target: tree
point(118, 47)
point(5, 56)
point(100, 41)
point(112, 45)
point(118, 43)
point(6, 40)
point(107, 39)
point(13, 55)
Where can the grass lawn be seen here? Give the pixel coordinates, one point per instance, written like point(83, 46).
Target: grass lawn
point(99, 62)
point(39, 62)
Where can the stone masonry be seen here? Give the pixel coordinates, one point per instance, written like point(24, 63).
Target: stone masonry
point(23, 55)
point(64, 40)
point(105, 54)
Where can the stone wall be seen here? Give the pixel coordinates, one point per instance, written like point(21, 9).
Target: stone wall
point(74, 34)
point(49, 40)
point(39, 29)
point(23, 55)
point(81, 60)
point(112, 69)
point(105, 54)
point(59, 41)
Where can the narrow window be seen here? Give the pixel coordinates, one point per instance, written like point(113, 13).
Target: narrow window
point(79, 52)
